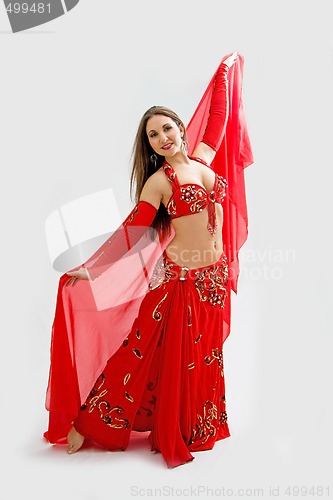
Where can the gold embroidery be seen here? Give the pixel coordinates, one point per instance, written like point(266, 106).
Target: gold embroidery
point(221, 186)
point(211, 282)
point(100, 381)
point(106, 411)
point(191, 365)
point(137, 353)
point(129, 397)
point(162, 273)
point(112, 420)
point(170, 173)
point(189, 322)
point(204, 428)
point(171, 207)
point(197, 198)
point(198, 338)
point(188, 193)
point(94, 400)
point(125, 342)
point(132, 215)
point(198, 206)
point(223, 413)
point(157, 315)
point(216, 355)
point(223, 417)
point(92, 395)
point(137, 333)
point(126, 378)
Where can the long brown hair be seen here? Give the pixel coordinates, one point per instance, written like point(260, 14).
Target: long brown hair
point(144, 166)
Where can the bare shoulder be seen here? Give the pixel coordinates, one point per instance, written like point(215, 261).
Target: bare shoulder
point(154, 188)
point(157, 180)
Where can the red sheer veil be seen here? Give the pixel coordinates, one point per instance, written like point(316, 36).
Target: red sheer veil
point(94, 317)
point(232, 157)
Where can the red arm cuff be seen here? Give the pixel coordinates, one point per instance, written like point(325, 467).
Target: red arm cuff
point(219, 109)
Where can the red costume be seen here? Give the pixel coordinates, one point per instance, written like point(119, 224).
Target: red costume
point(140, 347)
point(192, 198)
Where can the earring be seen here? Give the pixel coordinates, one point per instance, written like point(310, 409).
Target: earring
point(184, 146)
point(153, 159)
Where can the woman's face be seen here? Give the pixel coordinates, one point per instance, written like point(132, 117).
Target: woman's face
point(164, 135)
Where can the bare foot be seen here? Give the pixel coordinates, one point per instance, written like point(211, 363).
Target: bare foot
point(74, 440)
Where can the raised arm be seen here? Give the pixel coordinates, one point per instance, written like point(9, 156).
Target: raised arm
point(218, 113)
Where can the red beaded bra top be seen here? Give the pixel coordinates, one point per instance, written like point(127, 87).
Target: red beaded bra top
point(191, 198)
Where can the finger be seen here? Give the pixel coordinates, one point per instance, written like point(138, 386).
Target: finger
point(75, 281)
point(69, 282)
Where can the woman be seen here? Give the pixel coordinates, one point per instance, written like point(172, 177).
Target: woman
point(167, 374)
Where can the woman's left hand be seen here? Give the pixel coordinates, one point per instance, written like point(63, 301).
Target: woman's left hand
point(231, 59)
point(75, 276)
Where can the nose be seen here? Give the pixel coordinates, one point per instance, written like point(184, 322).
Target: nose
point(163, 137)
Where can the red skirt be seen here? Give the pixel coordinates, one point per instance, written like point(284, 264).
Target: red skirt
point(167, 376)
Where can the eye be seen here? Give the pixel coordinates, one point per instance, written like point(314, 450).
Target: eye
point(168, 127)
point(153, 134)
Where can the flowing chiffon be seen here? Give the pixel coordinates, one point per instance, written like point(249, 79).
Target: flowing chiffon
point(90, 322)
point(93, 320)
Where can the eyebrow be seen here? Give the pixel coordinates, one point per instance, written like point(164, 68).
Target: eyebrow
point(152, 130)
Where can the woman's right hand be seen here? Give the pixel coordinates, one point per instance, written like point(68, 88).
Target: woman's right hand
point(75, 276)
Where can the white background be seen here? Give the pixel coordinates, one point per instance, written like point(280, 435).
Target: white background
point(72, 94)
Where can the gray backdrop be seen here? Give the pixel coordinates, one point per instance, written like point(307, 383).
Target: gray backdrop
point(72, 93)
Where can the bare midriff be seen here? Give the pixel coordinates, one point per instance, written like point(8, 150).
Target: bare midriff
point(193, 246)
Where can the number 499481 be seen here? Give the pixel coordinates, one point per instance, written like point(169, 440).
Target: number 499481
point(36, 8)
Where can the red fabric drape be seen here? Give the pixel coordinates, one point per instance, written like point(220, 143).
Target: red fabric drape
point(232, 157)
point(91, 321)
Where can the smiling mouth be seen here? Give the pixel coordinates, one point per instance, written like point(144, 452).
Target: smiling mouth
point(167, 146)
